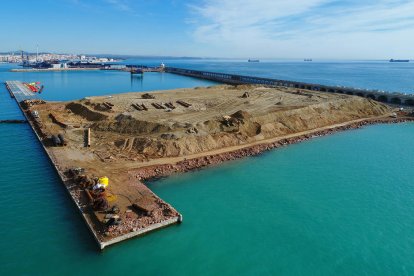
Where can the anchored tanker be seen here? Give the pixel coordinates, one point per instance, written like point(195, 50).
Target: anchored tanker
point(399, 60)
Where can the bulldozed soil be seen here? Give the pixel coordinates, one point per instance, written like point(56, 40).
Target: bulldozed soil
point(218, 117)
point(134, 138)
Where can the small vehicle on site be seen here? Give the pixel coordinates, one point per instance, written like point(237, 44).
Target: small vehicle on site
point(35, 114)
point(35, 87)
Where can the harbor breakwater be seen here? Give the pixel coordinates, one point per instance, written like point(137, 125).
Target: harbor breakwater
point(382, 96)
point(126, 231)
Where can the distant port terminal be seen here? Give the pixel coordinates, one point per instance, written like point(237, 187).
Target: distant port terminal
point(31, 62)
point(63, 62)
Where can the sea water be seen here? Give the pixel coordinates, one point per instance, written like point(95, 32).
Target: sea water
point(341, 204)
point(380, 75)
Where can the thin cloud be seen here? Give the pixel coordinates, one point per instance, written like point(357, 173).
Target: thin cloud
point(104, 5)
point(262, 24)
point(120, 5)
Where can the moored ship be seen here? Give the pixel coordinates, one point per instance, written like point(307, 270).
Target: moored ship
point(399, 60)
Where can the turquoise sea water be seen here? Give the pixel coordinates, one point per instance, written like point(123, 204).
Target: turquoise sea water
point(78, 84)
point(341, 204)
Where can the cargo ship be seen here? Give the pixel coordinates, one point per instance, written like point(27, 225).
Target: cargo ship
point(399, 60)
point(35, 87)
point(253, 60)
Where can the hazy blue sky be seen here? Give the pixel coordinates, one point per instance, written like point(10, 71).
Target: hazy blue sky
point(212, 28)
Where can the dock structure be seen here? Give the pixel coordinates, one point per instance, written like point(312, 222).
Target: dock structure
point(13, 121)
point(140, 70)
point(382, 96)
point(20, 93)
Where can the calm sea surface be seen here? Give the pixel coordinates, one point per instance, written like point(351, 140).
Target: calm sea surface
point(337, 205)
point(381, 75)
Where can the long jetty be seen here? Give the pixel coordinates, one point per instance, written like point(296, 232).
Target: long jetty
point(20, 92)
point(382, 96)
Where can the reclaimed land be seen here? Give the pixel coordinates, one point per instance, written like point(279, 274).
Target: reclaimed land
point(136, 136)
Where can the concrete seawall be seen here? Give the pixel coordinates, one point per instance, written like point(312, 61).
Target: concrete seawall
point(60, 174)
point(70, 188)
point(382, 96)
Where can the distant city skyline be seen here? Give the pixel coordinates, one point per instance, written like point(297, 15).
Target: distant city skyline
point(325, 29)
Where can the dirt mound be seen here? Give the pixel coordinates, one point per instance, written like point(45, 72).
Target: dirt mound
point(147, 96)
point(219, 119)
point(100, 107)
point(214, 135)
point(242, 86)
point(241, 115)
point(127, 124)
point(85, 112)
point(250, 129)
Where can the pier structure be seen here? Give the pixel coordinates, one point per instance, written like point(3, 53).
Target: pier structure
point(137, 71)
point(382, 96)
point(20, 92)
point(141, 69)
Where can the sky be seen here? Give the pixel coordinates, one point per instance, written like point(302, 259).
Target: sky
point(330, 29)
